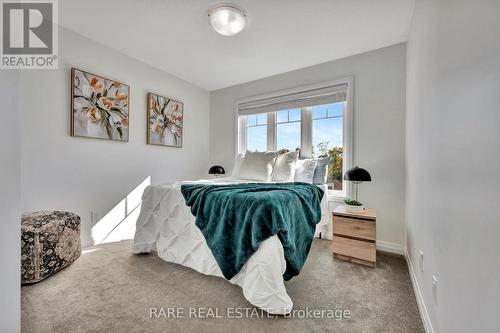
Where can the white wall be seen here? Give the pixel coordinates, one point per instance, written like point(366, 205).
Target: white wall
point(84, 175)
point(453, 161)
point(379, 89)
point(10, 203)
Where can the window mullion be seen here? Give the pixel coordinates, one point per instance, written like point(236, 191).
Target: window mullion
point(306, 132)
point(242, 144)
point(347, 144)
point(271, 131)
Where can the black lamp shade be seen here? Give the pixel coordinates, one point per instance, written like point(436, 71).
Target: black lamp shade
point(216, 170)
point(357, 174)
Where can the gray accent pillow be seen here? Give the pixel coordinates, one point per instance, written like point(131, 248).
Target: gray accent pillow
point(321, 171)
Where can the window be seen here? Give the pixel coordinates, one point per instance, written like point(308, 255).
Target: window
point(328, 139)
point(315, 119)
point(288, 129)
point(257, 132)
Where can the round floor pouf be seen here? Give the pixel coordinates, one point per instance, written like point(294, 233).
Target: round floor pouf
point(50, 241)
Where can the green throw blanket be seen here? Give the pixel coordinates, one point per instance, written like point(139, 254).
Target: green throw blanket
point(236, 218)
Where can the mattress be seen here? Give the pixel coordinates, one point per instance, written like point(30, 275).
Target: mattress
point(166, 225)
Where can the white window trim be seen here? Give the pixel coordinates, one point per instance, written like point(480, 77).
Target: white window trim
point(306, 127)
point(271, 131)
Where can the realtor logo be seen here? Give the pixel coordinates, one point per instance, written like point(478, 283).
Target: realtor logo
point(29, 34)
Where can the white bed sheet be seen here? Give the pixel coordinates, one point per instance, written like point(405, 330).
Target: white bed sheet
point(166, 225)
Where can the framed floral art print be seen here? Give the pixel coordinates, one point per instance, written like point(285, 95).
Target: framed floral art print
point(99, 107)
point(165, 121)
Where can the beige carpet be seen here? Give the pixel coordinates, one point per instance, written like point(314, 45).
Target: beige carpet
point(111, 290)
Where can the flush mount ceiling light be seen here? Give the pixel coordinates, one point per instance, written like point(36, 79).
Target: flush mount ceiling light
point(227, 19)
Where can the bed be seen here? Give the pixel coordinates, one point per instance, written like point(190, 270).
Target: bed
point(167, 226)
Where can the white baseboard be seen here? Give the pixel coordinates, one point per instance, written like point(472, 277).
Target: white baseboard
point(390, 247)
point(418, 295)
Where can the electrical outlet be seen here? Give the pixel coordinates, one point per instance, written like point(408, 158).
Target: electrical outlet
point(421, 261)
point(435, 288)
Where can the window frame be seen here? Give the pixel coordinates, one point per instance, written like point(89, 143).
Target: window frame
point(243, 131)
point(306, 128)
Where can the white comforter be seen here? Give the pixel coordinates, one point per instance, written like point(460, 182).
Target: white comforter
point(166, 225)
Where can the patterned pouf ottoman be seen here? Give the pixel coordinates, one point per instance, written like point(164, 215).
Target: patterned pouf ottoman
point(50, 241)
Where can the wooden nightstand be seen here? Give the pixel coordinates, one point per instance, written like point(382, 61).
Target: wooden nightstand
point(354, 236)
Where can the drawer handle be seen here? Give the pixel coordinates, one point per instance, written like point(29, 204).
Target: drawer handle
point(356, 227)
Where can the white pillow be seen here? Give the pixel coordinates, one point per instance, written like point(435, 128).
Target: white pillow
point(284, 168)
point(237, 165)
point(257, 166)
point(304, 170)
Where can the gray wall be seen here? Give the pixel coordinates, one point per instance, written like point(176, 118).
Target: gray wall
point(379, 90)
point(10, 203)
point(453, 159)
point(84, 175)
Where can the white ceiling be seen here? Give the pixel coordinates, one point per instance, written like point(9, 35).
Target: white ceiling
point(281, 35)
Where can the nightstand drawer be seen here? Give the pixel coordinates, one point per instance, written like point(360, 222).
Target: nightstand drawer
point(357, 228)
point(354, 248)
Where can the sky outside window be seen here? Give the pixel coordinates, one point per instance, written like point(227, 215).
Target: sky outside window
point(328, 125)
point(257, 132)
point(288, 129)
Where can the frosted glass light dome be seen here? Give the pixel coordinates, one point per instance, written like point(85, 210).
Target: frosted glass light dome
point(227, 19)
